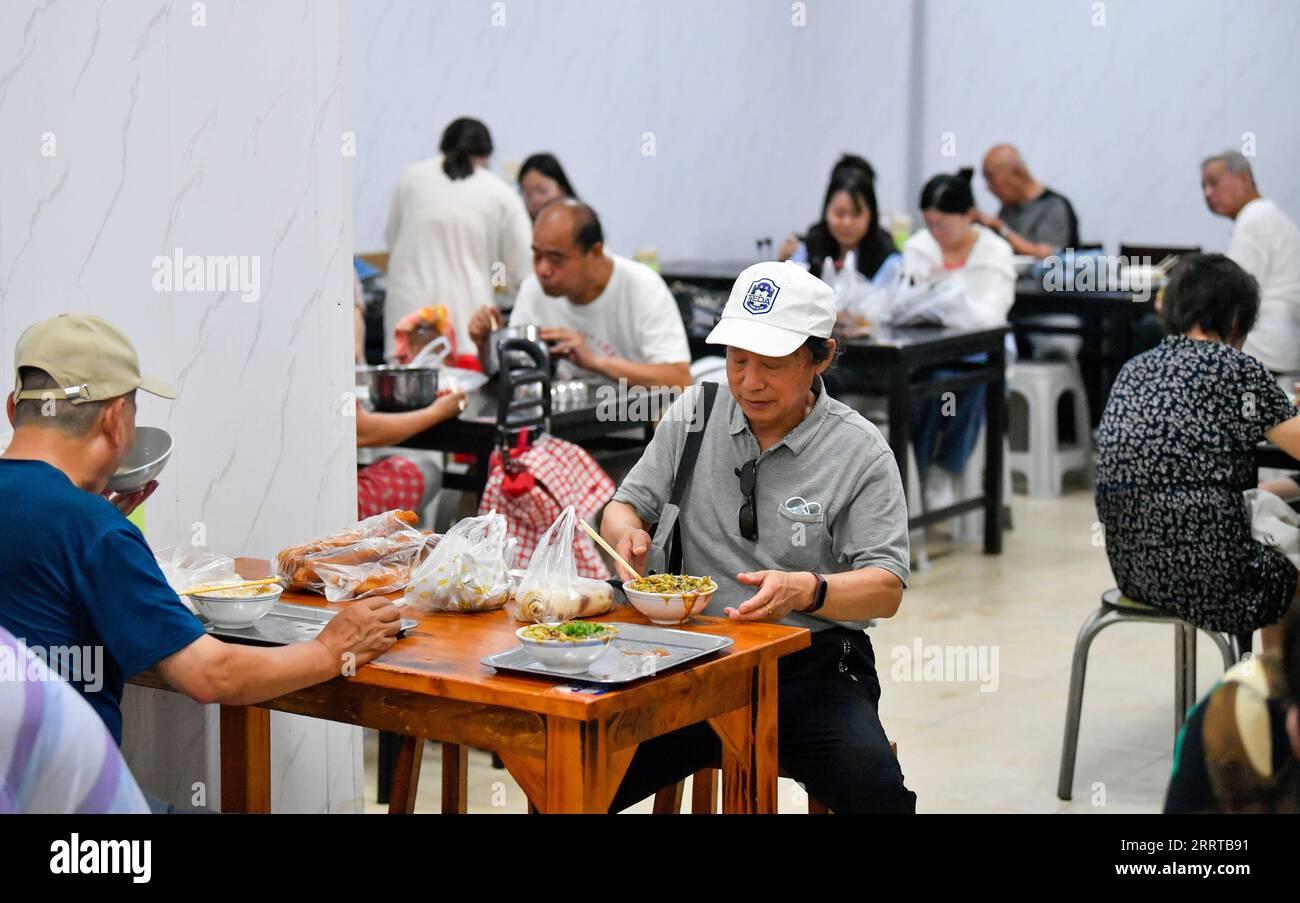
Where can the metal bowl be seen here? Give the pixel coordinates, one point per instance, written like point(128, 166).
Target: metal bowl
point(394, 389)
point(145, 460)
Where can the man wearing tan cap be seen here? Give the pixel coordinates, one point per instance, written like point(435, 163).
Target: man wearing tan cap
point(79, 575)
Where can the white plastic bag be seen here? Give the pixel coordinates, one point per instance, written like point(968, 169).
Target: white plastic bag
point(938, 304)
point(1273, 523)
point(187, 566)
point(468, 571)
point(372, 557)
point(549, 592)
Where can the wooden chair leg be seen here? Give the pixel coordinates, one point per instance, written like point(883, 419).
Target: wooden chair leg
point(455, 779)
point(406, 776)
point(668, 801)
point(704, 792)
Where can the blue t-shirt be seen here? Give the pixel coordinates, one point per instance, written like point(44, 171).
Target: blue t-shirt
point(79, 585)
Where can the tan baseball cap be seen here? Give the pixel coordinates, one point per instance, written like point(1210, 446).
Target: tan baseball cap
point(90, 359)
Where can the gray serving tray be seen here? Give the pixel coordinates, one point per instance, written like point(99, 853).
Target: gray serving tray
point(285, 623)
point(631, 656)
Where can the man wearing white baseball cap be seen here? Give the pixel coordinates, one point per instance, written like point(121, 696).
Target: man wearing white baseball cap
point(792, 503)
point(78, 575)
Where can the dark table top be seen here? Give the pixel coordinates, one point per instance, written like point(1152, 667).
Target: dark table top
point(574, 418)
point(1032, 295)
point(712, 271)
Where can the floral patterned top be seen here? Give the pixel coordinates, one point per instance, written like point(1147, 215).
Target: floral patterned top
point(1175, 447)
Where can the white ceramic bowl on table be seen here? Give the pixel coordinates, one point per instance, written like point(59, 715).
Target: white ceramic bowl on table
point(565, 656)
point(669, 608)
point(231, 612)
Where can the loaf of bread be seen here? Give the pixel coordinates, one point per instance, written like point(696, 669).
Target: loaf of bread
point(376, 555)
point(589, 599)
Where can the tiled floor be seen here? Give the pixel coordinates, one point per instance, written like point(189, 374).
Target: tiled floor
point(964, 749)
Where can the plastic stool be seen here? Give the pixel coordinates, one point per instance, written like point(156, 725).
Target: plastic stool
point(1045, 462)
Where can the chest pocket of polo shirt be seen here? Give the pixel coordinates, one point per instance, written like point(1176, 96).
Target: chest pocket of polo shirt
point(800, 546)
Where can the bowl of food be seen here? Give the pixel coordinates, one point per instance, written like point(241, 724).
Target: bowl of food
point(570, 647)
point(145, 460)
point(237, 607)
point(670, 598)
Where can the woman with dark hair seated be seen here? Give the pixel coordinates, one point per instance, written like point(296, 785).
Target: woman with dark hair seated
point(1176, 450)
point(850, 222)
point(542, 180)
point(953, 248)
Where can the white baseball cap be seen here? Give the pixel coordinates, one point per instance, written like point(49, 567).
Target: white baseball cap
point(774, 308)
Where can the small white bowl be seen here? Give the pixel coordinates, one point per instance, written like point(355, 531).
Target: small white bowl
point(565, 656)
point(668, 608)
point(233, 613)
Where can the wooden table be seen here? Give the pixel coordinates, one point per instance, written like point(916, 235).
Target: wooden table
point(568, 751)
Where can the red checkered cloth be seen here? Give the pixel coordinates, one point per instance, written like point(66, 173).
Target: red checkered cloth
point(564, 475)
point(388, 484)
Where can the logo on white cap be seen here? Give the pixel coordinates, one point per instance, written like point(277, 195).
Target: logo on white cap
point(761, 296)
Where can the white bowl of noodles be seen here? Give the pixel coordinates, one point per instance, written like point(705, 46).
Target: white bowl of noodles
point(670, 598)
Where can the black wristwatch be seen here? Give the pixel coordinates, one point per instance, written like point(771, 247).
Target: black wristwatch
point(819, 598)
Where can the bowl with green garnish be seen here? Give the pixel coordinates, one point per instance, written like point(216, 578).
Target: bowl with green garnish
point(570, 647)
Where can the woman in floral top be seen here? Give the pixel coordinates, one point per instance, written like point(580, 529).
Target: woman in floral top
point(1176, 447)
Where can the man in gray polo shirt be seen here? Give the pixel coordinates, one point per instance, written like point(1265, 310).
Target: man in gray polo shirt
point(1034, 219)
point(834, 460)
point(793, 504)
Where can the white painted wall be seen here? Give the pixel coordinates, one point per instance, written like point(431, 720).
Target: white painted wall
point(748, 111)
point(220, 139)
point(1118, 116)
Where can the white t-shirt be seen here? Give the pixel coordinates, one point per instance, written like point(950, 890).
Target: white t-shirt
point(634, 318)
point(1266, 244)
point(445, 237)
point(988, 277)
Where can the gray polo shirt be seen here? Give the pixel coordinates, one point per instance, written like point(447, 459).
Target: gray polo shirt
point(834, 457)
point(1047, 219)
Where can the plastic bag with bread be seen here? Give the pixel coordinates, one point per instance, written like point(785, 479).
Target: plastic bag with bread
point(375, 556)
point(551, 590)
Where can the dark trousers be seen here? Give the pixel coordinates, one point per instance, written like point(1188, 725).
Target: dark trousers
point(829, 736)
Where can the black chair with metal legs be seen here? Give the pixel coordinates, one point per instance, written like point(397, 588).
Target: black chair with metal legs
point(1116, 609)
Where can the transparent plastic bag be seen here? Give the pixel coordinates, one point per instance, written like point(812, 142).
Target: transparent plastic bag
point(468, 571)
point(373, 557)
point(551, 590)
point(186, 566)
point(595, 598)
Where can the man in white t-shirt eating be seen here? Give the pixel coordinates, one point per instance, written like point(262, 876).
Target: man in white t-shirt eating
point(601, 314)
point(1265, 243)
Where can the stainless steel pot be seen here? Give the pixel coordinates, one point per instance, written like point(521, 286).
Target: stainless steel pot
point(395, 389)
point(491, 362)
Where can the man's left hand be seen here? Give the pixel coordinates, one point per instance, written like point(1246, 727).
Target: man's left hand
point(126, 502)
point(779, 593)
point(572, 345)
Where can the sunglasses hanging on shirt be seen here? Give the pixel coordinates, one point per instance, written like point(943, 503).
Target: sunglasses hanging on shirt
point(748, 474)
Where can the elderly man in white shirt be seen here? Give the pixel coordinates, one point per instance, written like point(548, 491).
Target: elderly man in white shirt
point(1265, 243)
point(602, 314)
point(455, 233)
